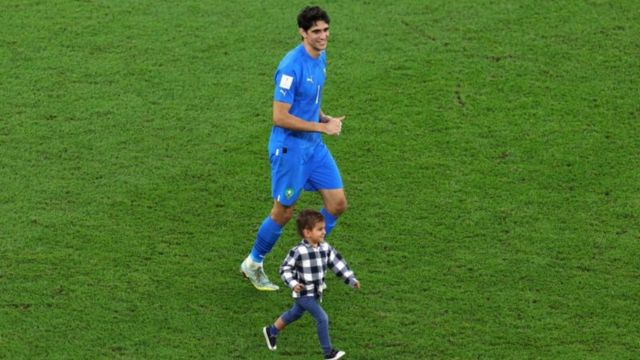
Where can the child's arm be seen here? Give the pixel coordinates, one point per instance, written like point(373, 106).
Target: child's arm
point(288, 272)
point(339, 266)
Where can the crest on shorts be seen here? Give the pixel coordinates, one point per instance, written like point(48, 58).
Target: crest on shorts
point(288, 193)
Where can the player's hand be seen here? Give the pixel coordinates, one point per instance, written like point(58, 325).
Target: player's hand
point(333, 126)
point(356, 285)
point(327, 118)
point(298, 288)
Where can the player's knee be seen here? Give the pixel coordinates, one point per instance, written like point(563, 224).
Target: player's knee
point(288, 215)
point(339, 207)
point(282, 214)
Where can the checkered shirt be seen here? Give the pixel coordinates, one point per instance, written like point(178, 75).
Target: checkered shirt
point(307, 265)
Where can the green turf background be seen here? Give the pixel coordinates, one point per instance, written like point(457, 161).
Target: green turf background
point(490, 154)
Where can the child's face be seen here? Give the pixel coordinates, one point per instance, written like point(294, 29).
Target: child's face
point(316, 234)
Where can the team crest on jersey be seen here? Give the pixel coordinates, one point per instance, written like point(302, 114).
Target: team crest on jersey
point(288, 193)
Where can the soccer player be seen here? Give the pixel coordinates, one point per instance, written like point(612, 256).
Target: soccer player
point(299, 158)
point(303, 270)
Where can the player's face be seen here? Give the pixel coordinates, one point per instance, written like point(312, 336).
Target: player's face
point(316, 234)
point(317, 36)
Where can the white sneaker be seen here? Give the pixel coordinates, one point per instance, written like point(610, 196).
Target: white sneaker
point(334, 355)
point(271, 340)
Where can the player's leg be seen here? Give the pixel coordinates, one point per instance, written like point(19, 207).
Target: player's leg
point(286, 186)
point(326, 179)
point(335, 203)
point(270, 231)
point(268, 234)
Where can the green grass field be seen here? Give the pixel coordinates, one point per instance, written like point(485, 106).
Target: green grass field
point(491, 158)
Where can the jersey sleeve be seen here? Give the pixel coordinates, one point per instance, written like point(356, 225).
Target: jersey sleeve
point(285, 85)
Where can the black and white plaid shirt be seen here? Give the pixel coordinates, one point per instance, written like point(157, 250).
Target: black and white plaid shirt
point(307, 265)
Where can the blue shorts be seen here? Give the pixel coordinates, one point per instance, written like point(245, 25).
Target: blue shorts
point(296, 169)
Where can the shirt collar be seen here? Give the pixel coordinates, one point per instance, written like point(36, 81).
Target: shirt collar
point(307, 55)
point(308, 244)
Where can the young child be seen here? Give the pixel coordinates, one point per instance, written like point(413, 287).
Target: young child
point(303, 271)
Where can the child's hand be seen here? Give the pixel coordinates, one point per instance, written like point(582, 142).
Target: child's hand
point(298, 288)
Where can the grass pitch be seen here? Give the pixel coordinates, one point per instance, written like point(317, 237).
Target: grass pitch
point(490, 156)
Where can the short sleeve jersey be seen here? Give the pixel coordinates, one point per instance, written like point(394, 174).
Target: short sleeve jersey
point(299, 81)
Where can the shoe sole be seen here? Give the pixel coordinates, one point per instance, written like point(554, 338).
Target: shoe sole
point(261, 288)
point(266, 338)
point(339, 355)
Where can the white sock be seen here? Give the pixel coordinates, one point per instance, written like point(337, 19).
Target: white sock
point(252, 264)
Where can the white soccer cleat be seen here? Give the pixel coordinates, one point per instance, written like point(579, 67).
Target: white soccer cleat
point(257, 277)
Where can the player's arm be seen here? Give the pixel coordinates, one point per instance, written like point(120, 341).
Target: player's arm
point(324, 118)
point(282, 118)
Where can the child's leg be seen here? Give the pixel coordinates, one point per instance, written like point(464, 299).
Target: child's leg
point(280, 324)
point(312, 305)
point(286, 318)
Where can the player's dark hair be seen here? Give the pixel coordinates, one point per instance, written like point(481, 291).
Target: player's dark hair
point(309, 15)
point(307, 220)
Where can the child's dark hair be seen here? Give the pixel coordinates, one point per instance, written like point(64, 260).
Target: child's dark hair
point(307, 220)
point(309, 15)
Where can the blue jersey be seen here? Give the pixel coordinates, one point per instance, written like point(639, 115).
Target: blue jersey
point(299, 80)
